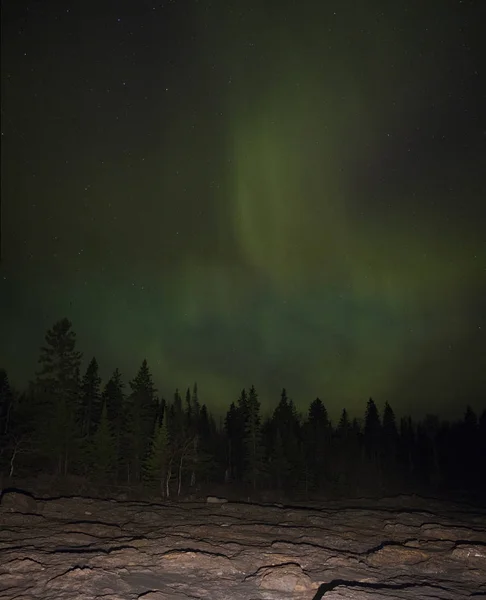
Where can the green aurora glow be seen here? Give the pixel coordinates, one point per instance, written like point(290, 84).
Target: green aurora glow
point(303, 212)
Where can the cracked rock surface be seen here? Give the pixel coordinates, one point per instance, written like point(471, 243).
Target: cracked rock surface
point(82, 548)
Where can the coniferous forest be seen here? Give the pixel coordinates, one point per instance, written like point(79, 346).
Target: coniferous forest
point(73, 430)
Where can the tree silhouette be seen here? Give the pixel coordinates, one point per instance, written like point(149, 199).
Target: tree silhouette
point(57, 385)
point(158, 459)
point(114, 399)
point(372, 432)
point(103, 449)
point(252, 439)
point(62, 422)
point(140, 414)
point(90, 399)
point(389, 439)
point(318, 444)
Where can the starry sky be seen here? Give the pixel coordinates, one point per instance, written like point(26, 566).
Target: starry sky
point(279, 193)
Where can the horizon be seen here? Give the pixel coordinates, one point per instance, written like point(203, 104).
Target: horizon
point(269, 401)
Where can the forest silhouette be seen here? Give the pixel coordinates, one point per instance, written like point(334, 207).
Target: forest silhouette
point(69, 427)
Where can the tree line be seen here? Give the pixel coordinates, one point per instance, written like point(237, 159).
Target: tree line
point(66, 423)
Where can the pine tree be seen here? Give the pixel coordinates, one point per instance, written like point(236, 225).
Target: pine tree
point(114, 398)
point(103, 448)
point(252, 439)
point(90, 399)
point(176, 420)
point(235, 430)
point(372, 431)
point(406, 447)
point(189, 413)
point(279, 466)
point(157, 461)
point(231, 427)
point(192, 430)
point(57, 383)
point(140, 415)
point(318, 443)
point(196, 406)
point(344, 425)
point(286, 421)
point(429, 431)
point(389, 438)
point(346, 451)
point(211, 447)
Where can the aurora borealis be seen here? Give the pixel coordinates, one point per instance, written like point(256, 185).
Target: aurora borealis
point(284, 194)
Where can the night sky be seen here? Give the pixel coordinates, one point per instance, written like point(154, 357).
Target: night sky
point(279, 193)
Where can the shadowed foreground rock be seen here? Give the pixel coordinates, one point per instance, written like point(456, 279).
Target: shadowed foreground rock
point(79, 548)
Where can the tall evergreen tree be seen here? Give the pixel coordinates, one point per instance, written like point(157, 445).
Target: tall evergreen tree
point(235, 430)
point(57, 383)
point(346, 452)
point(372, 432)
point(344, 425)
point(279, 466)
point(196, 406)
point(252, 439)
point(103, 449)
point(114, 399)
point(176, 421)
point(406, 448)
point(430, 465)
point(318, 443)
point(140, 416)
point(189, 412)
point(231, 430)
point(157, 461)
point(389, 438)
point(193, 433)
point(90, 399)
point(286, 421)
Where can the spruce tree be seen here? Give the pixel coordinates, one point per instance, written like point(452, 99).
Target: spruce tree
point(176, 420)
point(140, 416)
point(157, 461)
point(389, 438)
point(406, 447)
point(90, 399)
point(318, 443)
point(239, 448)
point(195, 403)
point(114, 399)
point(345, 453)
point(252, 439)
point(279, 466)
point(231, 430)
point(211, 449)
point(286, 421)
point(189, 412)
point(193, 433)
point(103, 449)
point(372, 432)
point(344, 425)
point(57, 384)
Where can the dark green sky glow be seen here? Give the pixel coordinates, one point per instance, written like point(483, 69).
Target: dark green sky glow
point(244, 193)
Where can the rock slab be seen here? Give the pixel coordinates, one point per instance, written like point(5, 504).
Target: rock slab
point(85, 548)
